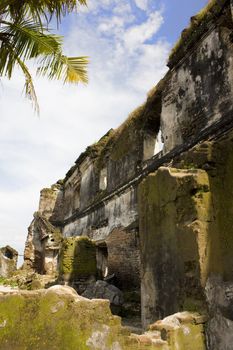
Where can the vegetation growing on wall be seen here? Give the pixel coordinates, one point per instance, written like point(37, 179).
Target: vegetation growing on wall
point(77, 258)
point(198, 25)
point(119, 142)
point(44, 320)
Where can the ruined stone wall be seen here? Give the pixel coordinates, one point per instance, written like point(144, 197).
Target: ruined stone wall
point(199, 90)
point(185, 227)
point(216, 157)
point(172, 238)
point(58, 318)
point(184, 200)
point(77, 259)
point(51, 202)
point(124, 258)
point(113, 222)
point(117, 161)
point(118, 211)
point(8, 261)
point(43, 239)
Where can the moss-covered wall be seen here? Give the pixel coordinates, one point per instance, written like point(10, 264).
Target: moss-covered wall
point(172, 228)
point(186, 212)
point(216, 157)
point(77, 259)
point(186, 231)
point(119, 152)
point(58, 318)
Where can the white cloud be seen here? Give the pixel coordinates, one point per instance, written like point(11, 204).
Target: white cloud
point(122, 9)
point(142, 4)
point(112, 25)
point(138, 34)
point(36, 152)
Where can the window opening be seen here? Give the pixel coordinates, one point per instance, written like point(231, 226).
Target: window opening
point(103, 179)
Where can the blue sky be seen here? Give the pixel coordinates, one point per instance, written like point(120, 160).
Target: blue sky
point(177, 14)
point(128, 44)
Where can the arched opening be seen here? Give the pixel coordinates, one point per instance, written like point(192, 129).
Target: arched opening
point(8, 253)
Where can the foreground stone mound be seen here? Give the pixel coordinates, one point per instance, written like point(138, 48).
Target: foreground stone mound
point(58, 318)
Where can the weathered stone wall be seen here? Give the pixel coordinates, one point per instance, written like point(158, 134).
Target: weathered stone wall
point(118, 211)
point(185, 223)
point(118, 156)
point(58, 318)
point(172, 228)
point(124, 258)
point(77, 259)
point(109, 223)
point(42, 246)
point(8, 261)
point(185, 207)
point(217, 158)
point(199, 90)
point(50, 204)
point(43, 239)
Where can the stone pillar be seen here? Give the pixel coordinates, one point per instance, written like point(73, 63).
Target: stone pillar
point(173, 221)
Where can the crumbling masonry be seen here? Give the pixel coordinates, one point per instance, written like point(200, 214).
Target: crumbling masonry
point(154, 198)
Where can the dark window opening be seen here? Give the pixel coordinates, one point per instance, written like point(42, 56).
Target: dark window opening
point(8, 254)
point(102, 259)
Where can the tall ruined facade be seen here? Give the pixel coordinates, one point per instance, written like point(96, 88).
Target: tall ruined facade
point(156, 195)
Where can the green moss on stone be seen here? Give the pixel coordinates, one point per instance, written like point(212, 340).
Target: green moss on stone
point(42, 321)
point(78, 258)
point(8, 282)
point(187, 337)
point(194, 305)
point(173, 222)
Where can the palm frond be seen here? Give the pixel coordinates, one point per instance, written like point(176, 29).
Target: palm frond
point(30, 91)
point(29, 41)
point(11, 59)
point(18, 9)
point(68, 69)
point(23, 36)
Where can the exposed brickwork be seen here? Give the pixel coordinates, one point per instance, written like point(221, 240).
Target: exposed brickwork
point(124, 258)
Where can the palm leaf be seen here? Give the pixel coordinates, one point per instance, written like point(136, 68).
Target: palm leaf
point(23, 37)
point(10, 60)
point(29, 41)
point(18, 9)
point(68, 69)
point(29, 86)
